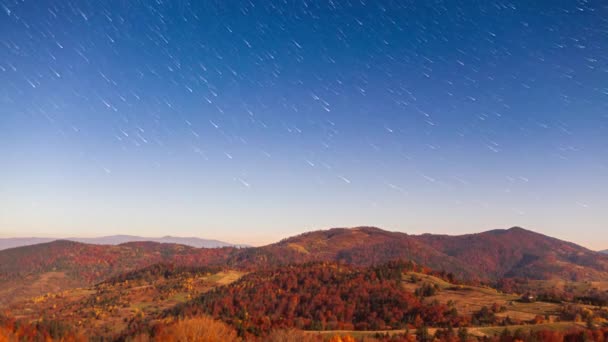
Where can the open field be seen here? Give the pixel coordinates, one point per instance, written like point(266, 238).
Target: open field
point(468, 299)
point(111, 307)
point(33, 285)
point(473, 331)
point(492, 331)
point(574, 287)
point(107, 308)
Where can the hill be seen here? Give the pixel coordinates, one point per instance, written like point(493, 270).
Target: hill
point(520, 253)
point(395, 298)
point(339, 279)
point(326, 297)
point(113, 306)
point(361, 246)
point(320, 296)
point(55, 266)
point(489, 257)
point(604, 251)
point(7, 243)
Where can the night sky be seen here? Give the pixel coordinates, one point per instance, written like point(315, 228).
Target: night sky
point(253, 121)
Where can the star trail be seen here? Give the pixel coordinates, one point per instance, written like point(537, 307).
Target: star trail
point(253, 120)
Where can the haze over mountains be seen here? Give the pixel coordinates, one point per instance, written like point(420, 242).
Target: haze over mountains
point(6, 243)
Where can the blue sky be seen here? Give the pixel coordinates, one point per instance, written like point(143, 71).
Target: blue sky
point(251, 122)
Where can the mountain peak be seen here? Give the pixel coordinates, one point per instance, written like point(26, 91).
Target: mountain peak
point(512, 230)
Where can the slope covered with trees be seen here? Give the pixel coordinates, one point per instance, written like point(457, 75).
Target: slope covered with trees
point(486, 257)
point(361, 246)
point(321, 296)
point(491, 257)
point(517, 252)
point(55, 266)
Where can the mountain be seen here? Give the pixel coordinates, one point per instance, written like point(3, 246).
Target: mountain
point(604, 251)
point(342, 278)
point(187, 241)
point(361, 246)
point(487, 257)
point(517, 252)
point(7, 243)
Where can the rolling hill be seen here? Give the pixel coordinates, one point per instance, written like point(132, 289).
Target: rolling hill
point(328, 298)
point(110, 306)
point(54, 266)
point(319, 296)
point(517, 252)
point(361, 246)
point(7, 243)
point(362, 278)
point(485, 257)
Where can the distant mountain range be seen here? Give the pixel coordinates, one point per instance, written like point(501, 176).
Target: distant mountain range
point(119, 239)
point(604, 251)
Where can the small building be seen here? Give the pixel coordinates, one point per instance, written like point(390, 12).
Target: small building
point(528, 298)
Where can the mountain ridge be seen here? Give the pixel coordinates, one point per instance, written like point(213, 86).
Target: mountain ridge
point(487, 257)
point(521, 253)
point(6, 243)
